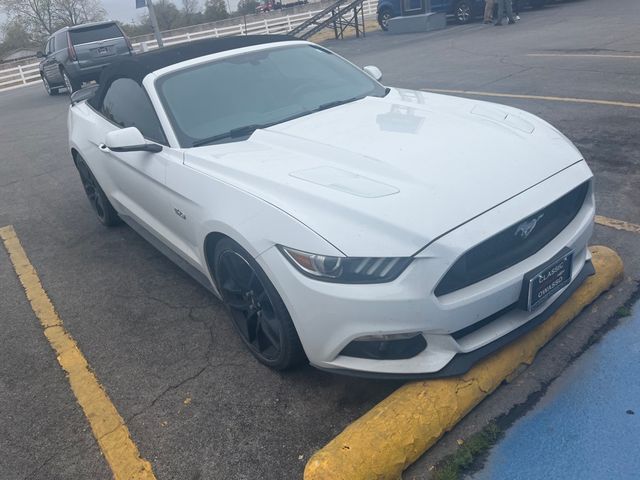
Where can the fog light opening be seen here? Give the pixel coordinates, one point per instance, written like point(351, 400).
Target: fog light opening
point(386, 347)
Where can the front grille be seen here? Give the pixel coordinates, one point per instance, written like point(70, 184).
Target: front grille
point(514, 244)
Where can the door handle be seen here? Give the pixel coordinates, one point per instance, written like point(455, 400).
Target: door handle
point(103, 147)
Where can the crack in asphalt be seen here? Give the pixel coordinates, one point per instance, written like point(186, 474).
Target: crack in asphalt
point(165, 391)
point(57, 454)
point(207, 356)
point(525, 69)
point(164, 302)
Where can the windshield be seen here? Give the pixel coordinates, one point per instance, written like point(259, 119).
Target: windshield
point(225, 100)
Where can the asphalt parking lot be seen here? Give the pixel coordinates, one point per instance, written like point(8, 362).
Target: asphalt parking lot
point(195, 401)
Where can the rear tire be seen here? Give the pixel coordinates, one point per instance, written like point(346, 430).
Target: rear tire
point(537, 4)
point(463, 12)
point(257, 311)
point(97, 198)
point(71, 84)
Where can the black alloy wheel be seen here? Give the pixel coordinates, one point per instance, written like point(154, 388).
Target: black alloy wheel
point(463, 12)
point(257, 311)
point(97, 198)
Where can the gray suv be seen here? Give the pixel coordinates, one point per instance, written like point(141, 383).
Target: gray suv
point(78, 54)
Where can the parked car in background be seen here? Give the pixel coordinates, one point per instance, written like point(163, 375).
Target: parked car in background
point(77, 54)
point(462, 10)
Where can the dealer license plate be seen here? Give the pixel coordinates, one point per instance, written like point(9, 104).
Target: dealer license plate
point(544, 282)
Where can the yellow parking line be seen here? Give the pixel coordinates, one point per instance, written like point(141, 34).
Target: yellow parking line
point(585, 55)
point(617, 224)
point(106, 423)
point(535, 97)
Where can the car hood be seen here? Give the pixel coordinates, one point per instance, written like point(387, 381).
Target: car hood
point(386, 176)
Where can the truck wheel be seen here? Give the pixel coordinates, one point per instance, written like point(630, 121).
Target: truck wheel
point(71, 84)
point(49, 89)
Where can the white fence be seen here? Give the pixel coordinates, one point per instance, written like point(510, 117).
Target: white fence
point(22, 75)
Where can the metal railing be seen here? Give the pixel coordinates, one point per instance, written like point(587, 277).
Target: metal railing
point(23, 75)
point(339, 16)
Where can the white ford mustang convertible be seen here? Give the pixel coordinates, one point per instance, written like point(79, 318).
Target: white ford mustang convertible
point(371, 230)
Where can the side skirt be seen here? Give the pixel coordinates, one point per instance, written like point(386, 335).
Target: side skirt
point(193, 272)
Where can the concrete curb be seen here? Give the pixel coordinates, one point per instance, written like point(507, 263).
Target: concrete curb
point(397, 431)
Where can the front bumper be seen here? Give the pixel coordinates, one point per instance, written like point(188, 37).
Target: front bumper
point(329, 316)
point(463, 362)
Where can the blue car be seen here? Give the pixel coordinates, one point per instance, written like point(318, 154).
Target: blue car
point(462, 10)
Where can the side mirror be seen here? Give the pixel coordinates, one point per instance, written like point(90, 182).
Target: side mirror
point(373, 72)
point(39, 54)
point(128, 140)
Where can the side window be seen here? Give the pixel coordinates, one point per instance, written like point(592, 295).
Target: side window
point(47, 48)
point(59, 41)
point(127, 104)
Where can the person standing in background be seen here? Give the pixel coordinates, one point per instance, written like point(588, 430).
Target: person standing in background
point(502, 5)
point(516, 9)
point(488, 11)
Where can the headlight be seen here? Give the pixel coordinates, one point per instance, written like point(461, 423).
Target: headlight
point(346, 269)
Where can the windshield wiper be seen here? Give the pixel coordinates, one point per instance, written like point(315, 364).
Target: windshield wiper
point(247, 130)
point(336, 103)
point(244, 131)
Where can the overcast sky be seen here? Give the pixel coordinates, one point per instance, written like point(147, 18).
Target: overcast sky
point(125, 10)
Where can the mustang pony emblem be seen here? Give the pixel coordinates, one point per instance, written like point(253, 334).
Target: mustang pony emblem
point(525, 228)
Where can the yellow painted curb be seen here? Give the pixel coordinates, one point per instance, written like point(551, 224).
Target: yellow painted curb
point(397, 431)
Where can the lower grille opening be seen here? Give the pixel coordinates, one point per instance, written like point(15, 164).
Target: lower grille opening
point(387, 349)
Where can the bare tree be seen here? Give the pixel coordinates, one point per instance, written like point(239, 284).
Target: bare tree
point(34, 15)
point(43, 17)
point(190, 7)
point(76, 12)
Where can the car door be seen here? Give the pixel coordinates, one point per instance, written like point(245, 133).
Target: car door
point(49, 65)
point(136, 181)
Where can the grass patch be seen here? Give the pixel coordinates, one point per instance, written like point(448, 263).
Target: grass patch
point(623, 311)
point(458, 463)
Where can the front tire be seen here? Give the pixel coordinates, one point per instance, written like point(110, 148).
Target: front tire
point(48, 88)
point(463, 12)
point(257, 310)
point(383, 19)
point(97, 198)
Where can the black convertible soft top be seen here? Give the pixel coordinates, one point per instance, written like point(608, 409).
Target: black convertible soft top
point(139, 66)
